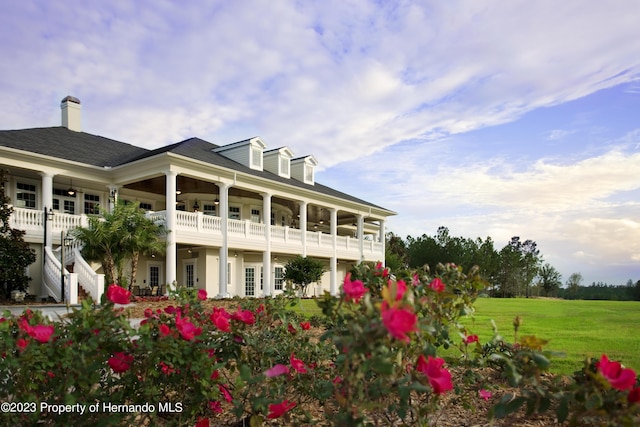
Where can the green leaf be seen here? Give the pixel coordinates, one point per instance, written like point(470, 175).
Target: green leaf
point(541, 361)
point(255, 421)
point(562, 411)
point(245, 373)
point(382, 366)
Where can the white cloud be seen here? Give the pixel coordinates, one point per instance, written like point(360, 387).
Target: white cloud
point(375, 90)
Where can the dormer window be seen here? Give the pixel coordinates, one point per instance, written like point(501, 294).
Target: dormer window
point(278, 161)
point(308, 173)
point(284, 166)
point(303, 169)
point(247, 152)
point(256, 158)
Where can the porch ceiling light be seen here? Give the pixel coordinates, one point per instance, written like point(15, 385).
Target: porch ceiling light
point(71, 191)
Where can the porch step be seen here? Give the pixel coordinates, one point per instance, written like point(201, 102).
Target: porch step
point(82, 294)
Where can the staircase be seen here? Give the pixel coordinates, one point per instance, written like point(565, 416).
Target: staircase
point(82, 293)
point(80, 280)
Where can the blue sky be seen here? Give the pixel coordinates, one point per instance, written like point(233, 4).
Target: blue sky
point(492, 118)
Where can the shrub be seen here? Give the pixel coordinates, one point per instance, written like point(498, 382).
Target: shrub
point(256, 361)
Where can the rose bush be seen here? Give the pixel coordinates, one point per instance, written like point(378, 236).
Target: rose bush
point(375, 364)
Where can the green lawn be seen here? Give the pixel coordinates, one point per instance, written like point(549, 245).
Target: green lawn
point(579, 329)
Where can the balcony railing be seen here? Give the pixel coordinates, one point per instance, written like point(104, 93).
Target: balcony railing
point(198, 224)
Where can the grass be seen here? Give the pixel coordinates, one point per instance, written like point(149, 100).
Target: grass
point(579, 329)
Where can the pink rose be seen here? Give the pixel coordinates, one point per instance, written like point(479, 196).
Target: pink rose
point(437, 285)
point(353, 289)
point(439, 377)
point(202, 294)
point(399, 321)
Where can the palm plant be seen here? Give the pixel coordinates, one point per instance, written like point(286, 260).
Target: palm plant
point(117, 236)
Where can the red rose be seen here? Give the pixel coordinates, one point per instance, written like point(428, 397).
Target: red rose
point(439, 377)
point(277, 410)
point(202, 294)
point(120, 362)
point(620, 378)
point(41, 333)
point(470, 339)
point(118, 294)
point(634, 396)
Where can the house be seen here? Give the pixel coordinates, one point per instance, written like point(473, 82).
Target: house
point(234, 213)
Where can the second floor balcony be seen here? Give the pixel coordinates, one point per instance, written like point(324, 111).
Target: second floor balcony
point(197, 229)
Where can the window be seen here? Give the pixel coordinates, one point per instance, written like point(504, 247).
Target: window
point(273, 217)
point(91, 204)
point(146, 206)
point(234, 212)
point(208, 209)
point(154, 275)
point(26, 196)
point(249, 281)
point(284, 166)
point(62, 202)
point(256, 155)
point(308, 173)
point(189, 274)
point(255, 215)
point(279, 279)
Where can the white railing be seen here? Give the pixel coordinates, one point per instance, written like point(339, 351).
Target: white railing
point(197, 222)
point(27, 219)
point(91, 281)
point(52, 277)
point(64, 222)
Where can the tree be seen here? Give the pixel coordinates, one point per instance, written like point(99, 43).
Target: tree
point(395, 254)
point(15, 253)
point(573, 285)
point(549, 280)
point(303, 271)
point(519, 263)
point(119, 236)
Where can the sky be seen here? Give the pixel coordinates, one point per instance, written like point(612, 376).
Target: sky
point(492, 118)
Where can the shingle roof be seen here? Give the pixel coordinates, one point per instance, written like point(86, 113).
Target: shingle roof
point(96, 150)
point(66, 144)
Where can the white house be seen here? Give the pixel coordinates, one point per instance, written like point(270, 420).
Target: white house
point(235, 213)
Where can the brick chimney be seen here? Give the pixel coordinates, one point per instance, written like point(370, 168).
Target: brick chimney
point(71, 109)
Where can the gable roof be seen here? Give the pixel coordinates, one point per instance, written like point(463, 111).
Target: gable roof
point(82, 147)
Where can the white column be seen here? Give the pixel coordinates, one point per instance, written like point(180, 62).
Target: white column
point(266, 255)
point(303, 227)
point(171, 258)
point(383, 240)
point(361, 236)
point(47, 203)
point(224, 250)
point(333, 262)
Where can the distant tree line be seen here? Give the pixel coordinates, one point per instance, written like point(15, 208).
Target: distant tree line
point(516, 270)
